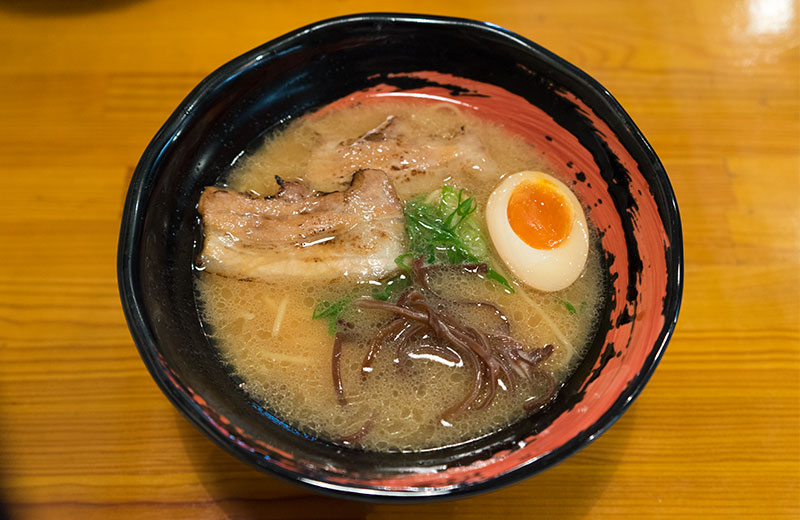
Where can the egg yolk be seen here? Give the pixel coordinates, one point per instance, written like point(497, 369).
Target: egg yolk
point(539, 214)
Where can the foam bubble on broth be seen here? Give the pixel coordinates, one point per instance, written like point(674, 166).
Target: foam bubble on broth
point(290, 372)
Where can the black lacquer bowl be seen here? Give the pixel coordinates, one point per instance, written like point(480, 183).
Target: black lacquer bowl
point(557, 107)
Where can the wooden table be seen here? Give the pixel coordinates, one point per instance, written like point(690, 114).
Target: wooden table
point(84, 431)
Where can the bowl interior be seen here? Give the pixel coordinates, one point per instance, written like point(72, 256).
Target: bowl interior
point(534, 93)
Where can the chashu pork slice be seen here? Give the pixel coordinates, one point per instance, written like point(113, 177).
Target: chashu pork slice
point(302, 233)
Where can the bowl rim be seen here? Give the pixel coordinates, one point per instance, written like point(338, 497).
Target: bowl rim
point(141, 186)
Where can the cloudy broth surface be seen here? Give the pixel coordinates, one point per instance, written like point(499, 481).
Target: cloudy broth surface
point(264, 328)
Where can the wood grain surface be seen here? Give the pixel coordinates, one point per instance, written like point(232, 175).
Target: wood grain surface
point(84, 431)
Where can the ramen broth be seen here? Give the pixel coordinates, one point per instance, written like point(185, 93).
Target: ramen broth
point(264, 328)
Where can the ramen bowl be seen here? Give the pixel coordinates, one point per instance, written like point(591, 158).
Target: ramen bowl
point(583, 132)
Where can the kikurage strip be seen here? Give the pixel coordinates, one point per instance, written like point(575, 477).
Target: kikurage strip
point(492, 356)
point(421, 273)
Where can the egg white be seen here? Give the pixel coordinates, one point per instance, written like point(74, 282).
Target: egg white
point(543, 269)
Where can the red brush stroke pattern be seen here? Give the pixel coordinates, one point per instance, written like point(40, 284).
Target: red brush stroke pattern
point(633, 340)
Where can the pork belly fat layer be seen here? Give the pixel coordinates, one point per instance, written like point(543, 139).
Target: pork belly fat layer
point(304, 233)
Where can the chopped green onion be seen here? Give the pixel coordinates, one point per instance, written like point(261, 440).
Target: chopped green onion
point(569, 307)
point(401, 261)
point(446, 233)
point(499, 278)
point(331, 312)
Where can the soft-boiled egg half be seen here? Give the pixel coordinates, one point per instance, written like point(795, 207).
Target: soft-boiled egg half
point(539, 230)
